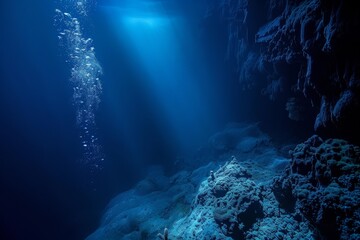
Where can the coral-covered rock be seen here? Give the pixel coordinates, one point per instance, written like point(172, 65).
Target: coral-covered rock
point(230, 200)
point(323, 183)
point(228, 205)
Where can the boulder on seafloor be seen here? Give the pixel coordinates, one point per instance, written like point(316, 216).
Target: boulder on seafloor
point(232, 206)
point(323, 183)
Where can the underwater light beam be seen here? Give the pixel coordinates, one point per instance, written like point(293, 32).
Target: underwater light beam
point(85, 77)
point(158, 40)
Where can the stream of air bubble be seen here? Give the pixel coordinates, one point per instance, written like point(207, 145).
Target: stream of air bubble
point(85, 74)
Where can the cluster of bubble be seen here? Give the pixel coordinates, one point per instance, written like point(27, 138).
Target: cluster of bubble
point(85, 73)
point(81, 7)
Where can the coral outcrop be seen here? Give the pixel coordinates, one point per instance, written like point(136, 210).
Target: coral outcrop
point(323, 183)
point(258, 195)
point(228, 205)
point(233, 206)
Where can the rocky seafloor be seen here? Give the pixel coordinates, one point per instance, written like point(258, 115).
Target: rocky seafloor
point(250, 189)
point(303, 55)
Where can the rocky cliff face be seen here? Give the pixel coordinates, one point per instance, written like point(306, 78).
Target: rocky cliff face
point(304, 54)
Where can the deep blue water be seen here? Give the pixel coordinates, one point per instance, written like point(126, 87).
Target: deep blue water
point(166, 90)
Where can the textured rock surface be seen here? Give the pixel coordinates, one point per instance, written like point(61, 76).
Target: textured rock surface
point(233, 206)
point(303, 52)
point(251, 195)
point(323, 183)
point(235, 203)
point(224, 204)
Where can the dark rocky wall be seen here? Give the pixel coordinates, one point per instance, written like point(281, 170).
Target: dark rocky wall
point(302, 54)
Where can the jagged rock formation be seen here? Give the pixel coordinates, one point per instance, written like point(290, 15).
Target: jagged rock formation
point(222, 205)
point(160, 201)
point(233, 206)
point(323, 183)
point(307, 51)
point(251, 195)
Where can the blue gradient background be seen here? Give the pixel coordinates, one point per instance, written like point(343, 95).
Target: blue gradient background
point(166, 89)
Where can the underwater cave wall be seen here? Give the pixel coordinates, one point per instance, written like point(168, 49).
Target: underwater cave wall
point(303, 54)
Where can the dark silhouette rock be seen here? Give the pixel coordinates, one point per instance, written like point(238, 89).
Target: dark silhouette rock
point(285, 49)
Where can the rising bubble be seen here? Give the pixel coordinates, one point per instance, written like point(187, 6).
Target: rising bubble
point(85, 74)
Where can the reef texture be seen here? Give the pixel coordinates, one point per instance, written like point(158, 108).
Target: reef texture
point(227, 204)
point(304, 54)
point(257, 194)
point(323, 183)
point(230, 205)
point(218, 200)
